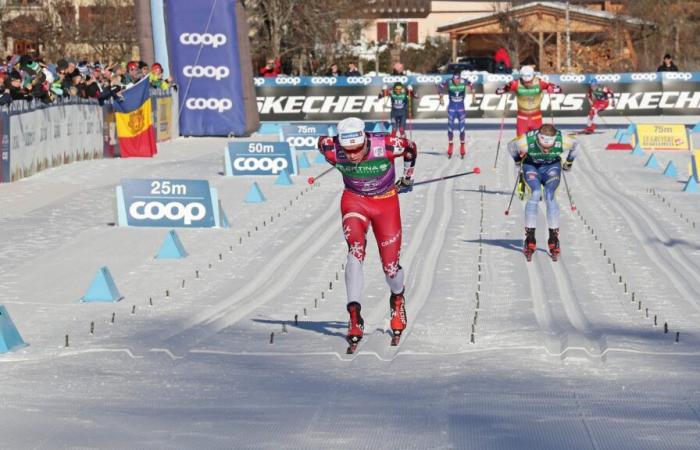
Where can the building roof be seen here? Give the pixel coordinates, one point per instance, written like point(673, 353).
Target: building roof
point(576, 13)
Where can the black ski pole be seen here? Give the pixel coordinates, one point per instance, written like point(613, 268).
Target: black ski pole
point(476, 170)
point(566, 185)
point(512, 194)
point(500, 136)
point(312, 180)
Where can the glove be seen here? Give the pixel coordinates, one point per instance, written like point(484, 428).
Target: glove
point(566, 165)
point(553, 90)
point(410, 88)
point(404, 185)
point(385, 87)
point(500, 91)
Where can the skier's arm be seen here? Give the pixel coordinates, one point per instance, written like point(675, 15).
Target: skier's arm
point(384, 92)
point(512, 86)
point(411, 92)
point(400, 147)
point(518, 148)
point(572, 147)
point(551, 88)
point(326, 146)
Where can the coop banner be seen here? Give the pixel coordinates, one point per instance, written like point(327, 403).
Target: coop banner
point(303, 136)
point(205, 54)
point(309, 98)
point(168, 203)
point(259, 158)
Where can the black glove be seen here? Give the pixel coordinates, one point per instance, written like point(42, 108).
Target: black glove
point(500, 91)
point(404, 185)
point(566, 165)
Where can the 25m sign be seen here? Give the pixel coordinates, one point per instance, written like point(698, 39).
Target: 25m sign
point(167, 203)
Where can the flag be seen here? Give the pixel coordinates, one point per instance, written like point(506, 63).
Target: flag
point(135, 121)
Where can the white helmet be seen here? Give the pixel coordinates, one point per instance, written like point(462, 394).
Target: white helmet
point(464, 75)
point(527, 73)
point(351, 132)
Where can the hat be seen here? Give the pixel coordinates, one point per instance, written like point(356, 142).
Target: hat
point(351, 132)
point(667, 56)
point(527, 73)
point(15, 75)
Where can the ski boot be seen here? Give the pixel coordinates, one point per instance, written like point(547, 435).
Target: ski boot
point(356, 326)
point(462, 150)
point(450, 148)
point(397, 303)
point(553, 242)
point(530, 243)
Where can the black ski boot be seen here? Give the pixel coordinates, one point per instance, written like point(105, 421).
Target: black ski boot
point(530, 243)
point(553, 242)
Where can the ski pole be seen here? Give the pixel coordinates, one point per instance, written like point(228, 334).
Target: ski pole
point(312, 180)
point(512, 194)
point(566, 185)
point(500, 136)
point(476, 170)
point(410, 122)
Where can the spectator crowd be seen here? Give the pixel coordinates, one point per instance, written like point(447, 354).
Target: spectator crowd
point(26, 78)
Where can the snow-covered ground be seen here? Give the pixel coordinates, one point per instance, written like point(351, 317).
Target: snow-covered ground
point(562, 357)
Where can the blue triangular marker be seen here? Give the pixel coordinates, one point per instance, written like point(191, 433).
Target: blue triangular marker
point(652, 162)
point(378, 128)
point(320, 159)
point(9, 336)
point(102, 288)
point(631, 129)
point(638, 150)
point(618, 134)
point(283, 179)
point(332, 130)
point(303, 161)
point(224, 223)
point(269, 128)
point(670, 170)
point(625, 138)
point(254, 195)
point(172, 247)
point(696, 128)
point(691, 185)
point(388, 127)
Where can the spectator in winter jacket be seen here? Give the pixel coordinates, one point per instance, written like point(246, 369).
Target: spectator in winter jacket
point(333, 72)
point(667, 65)
point(352, 71)
point(156, 80)
point(272, 68)
point(501, 56)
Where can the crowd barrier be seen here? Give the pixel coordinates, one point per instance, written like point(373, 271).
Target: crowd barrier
point(285, 99)
point(36, 136)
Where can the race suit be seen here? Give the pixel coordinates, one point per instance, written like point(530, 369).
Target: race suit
point(599, 100)
point(455, 108)
point(529, 98)
point(542, 168)
point(370, 198)
point(400, 104)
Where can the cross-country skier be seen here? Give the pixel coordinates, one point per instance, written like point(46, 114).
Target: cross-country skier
point(599, 100)
point(400, 103)
point(541, 153)
point(528, 90)
point(456, 89)
point(366, 161)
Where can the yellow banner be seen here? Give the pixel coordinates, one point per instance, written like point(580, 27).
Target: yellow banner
point(134, 123)
point(670, 136)
point(165, 118)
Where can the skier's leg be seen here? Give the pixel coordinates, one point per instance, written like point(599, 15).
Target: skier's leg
point(521, 125)
point(395, 120)
point(387, 230)
point(355, 225)
point(551, 179)
point(462, 117)
point(533, 183)
point(401, 123)
point(450, 125)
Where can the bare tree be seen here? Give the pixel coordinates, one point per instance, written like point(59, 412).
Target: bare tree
point(108, 28)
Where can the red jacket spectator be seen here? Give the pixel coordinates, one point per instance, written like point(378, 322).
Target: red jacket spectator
point(272, 69)
point(501, 55)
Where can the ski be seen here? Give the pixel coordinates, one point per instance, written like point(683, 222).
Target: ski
point(395, 339)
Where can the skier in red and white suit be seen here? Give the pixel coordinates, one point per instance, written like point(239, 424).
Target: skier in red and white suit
point(366, 161)
point(599, 99)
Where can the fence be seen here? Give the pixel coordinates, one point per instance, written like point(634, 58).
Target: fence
point(37, 136)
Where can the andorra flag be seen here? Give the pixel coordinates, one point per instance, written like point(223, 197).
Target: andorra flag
point(135, 121)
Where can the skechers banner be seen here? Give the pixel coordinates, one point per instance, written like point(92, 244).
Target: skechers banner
point(316, 98)
point(168, 203)
point(205, 55)
point(302, 136)
point(259, 158)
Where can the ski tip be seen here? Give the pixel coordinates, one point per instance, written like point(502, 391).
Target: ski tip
point(477, 170)
point(573, 209)
point(311, 180)
point(506, 213)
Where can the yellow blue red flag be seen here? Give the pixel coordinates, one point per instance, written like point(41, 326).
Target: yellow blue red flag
point(134, 120)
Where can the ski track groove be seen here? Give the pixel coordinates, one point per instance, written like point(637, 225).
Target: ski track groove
point(220, 315)
point(659, 258)
point(379, 313)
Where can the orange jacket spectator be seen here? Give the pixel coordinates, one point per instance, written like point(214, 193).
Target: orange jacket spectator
point(501, 55)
